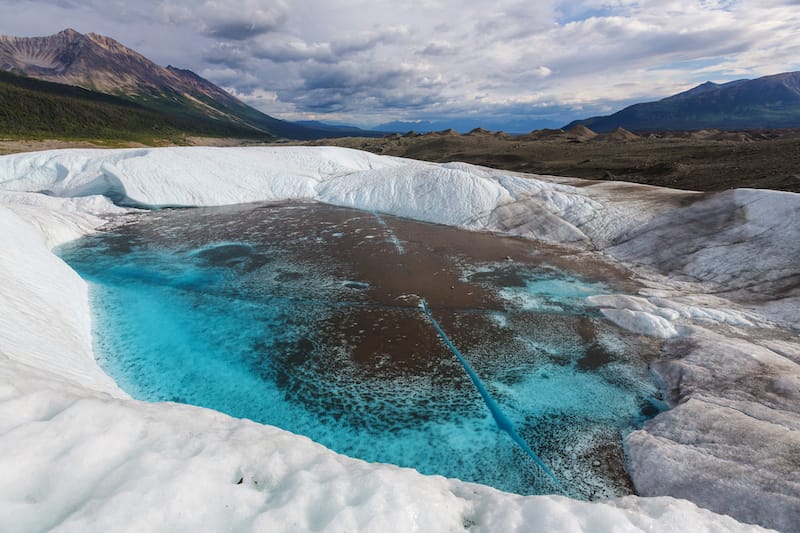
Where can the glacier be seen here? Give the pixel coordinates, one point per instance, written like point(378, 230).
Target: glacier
point(721, 276)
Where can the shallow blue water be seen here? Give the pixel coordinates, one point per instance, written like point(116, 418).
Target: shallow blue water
point(277, 328)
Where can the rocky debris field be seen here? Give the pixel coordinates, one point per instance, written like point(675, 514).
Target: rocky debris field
point(704, 160)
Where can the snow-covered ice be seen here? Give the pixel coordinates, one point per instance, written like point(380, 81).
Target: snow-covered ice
point(77, 454)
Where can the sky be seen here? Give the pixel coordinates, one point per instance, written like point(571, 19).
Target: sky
point(501, 64)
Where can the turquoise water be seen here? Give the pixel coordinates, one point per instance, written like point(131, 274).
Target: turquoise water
point(267, 314)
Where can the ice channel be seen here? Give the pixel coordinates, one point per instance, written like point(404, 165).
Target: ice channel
point(305, 316)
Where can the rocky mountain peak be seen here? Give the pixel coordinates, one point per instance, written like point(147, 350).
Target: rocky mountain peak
point(69, 32)
point(95, 62)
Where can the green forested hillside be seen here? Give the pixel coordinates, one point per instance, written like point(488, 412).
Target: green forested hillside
point(32, 109)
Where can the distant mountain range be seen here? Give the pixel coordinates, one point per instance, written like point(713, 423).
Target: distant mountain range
point(102, 65)
point(519, 125)
point(768, 102)
point(341, 129)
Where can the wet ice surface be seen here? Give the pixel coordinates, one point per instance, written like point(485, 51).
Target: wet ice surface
point(303, 316)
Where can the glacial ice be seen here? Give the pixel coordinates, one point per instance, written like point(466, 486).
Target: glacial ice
point(77, 454)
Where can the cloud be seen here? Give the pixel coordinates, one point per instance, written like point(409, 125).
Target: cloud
point(242, 19)
point(235, 20)
point(226, 54)
point(229, 77)
point(439, 48)
point(354, 76)
point(366, 41)
point(350, 88)
point(282, 49)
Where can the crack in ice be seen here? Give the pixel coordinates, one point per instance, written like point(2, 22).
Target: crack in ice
point(502, 421)
point(392, 237)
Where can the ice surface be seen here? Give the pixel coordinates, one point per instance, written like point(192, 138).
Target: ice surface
point(742, 240)
point(443, 194)
point(76, 454)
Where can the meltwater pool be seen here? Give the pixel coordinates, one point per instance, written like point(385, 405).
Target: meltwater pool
point(308, 317)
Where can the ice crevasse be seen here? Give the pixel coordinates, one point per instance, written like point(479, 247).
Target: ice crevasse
point(77, 454)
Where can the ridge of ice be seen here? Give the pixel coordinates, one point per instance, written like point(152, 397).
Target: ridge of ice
point(77, 454)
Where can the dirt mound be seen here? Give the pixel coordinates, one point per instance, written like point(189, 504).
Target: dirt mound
point(619, 134)
point(581, 133)
point(445, 133)
point(736, 136)
point(704, 134)
point(544, 134)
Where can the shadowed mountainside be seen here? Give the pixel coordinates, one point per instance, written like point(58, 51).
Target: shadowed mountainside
point(36, 109)
point(767, 102)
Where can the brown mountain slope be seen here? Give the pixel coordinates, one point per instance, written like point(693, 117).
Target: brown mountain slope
point(100, 64)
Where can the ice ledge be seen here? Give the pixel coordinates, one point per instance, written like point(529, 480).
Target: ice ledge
point(734, 433)
point(82, 463)
point(704, 449)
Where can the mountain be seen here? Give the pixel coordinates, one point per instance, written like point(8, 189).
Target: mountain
point(101, 64)
point(465, 125)
point(31, 108)
point(768, 102)
point(400, 126)
point(350, 130)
